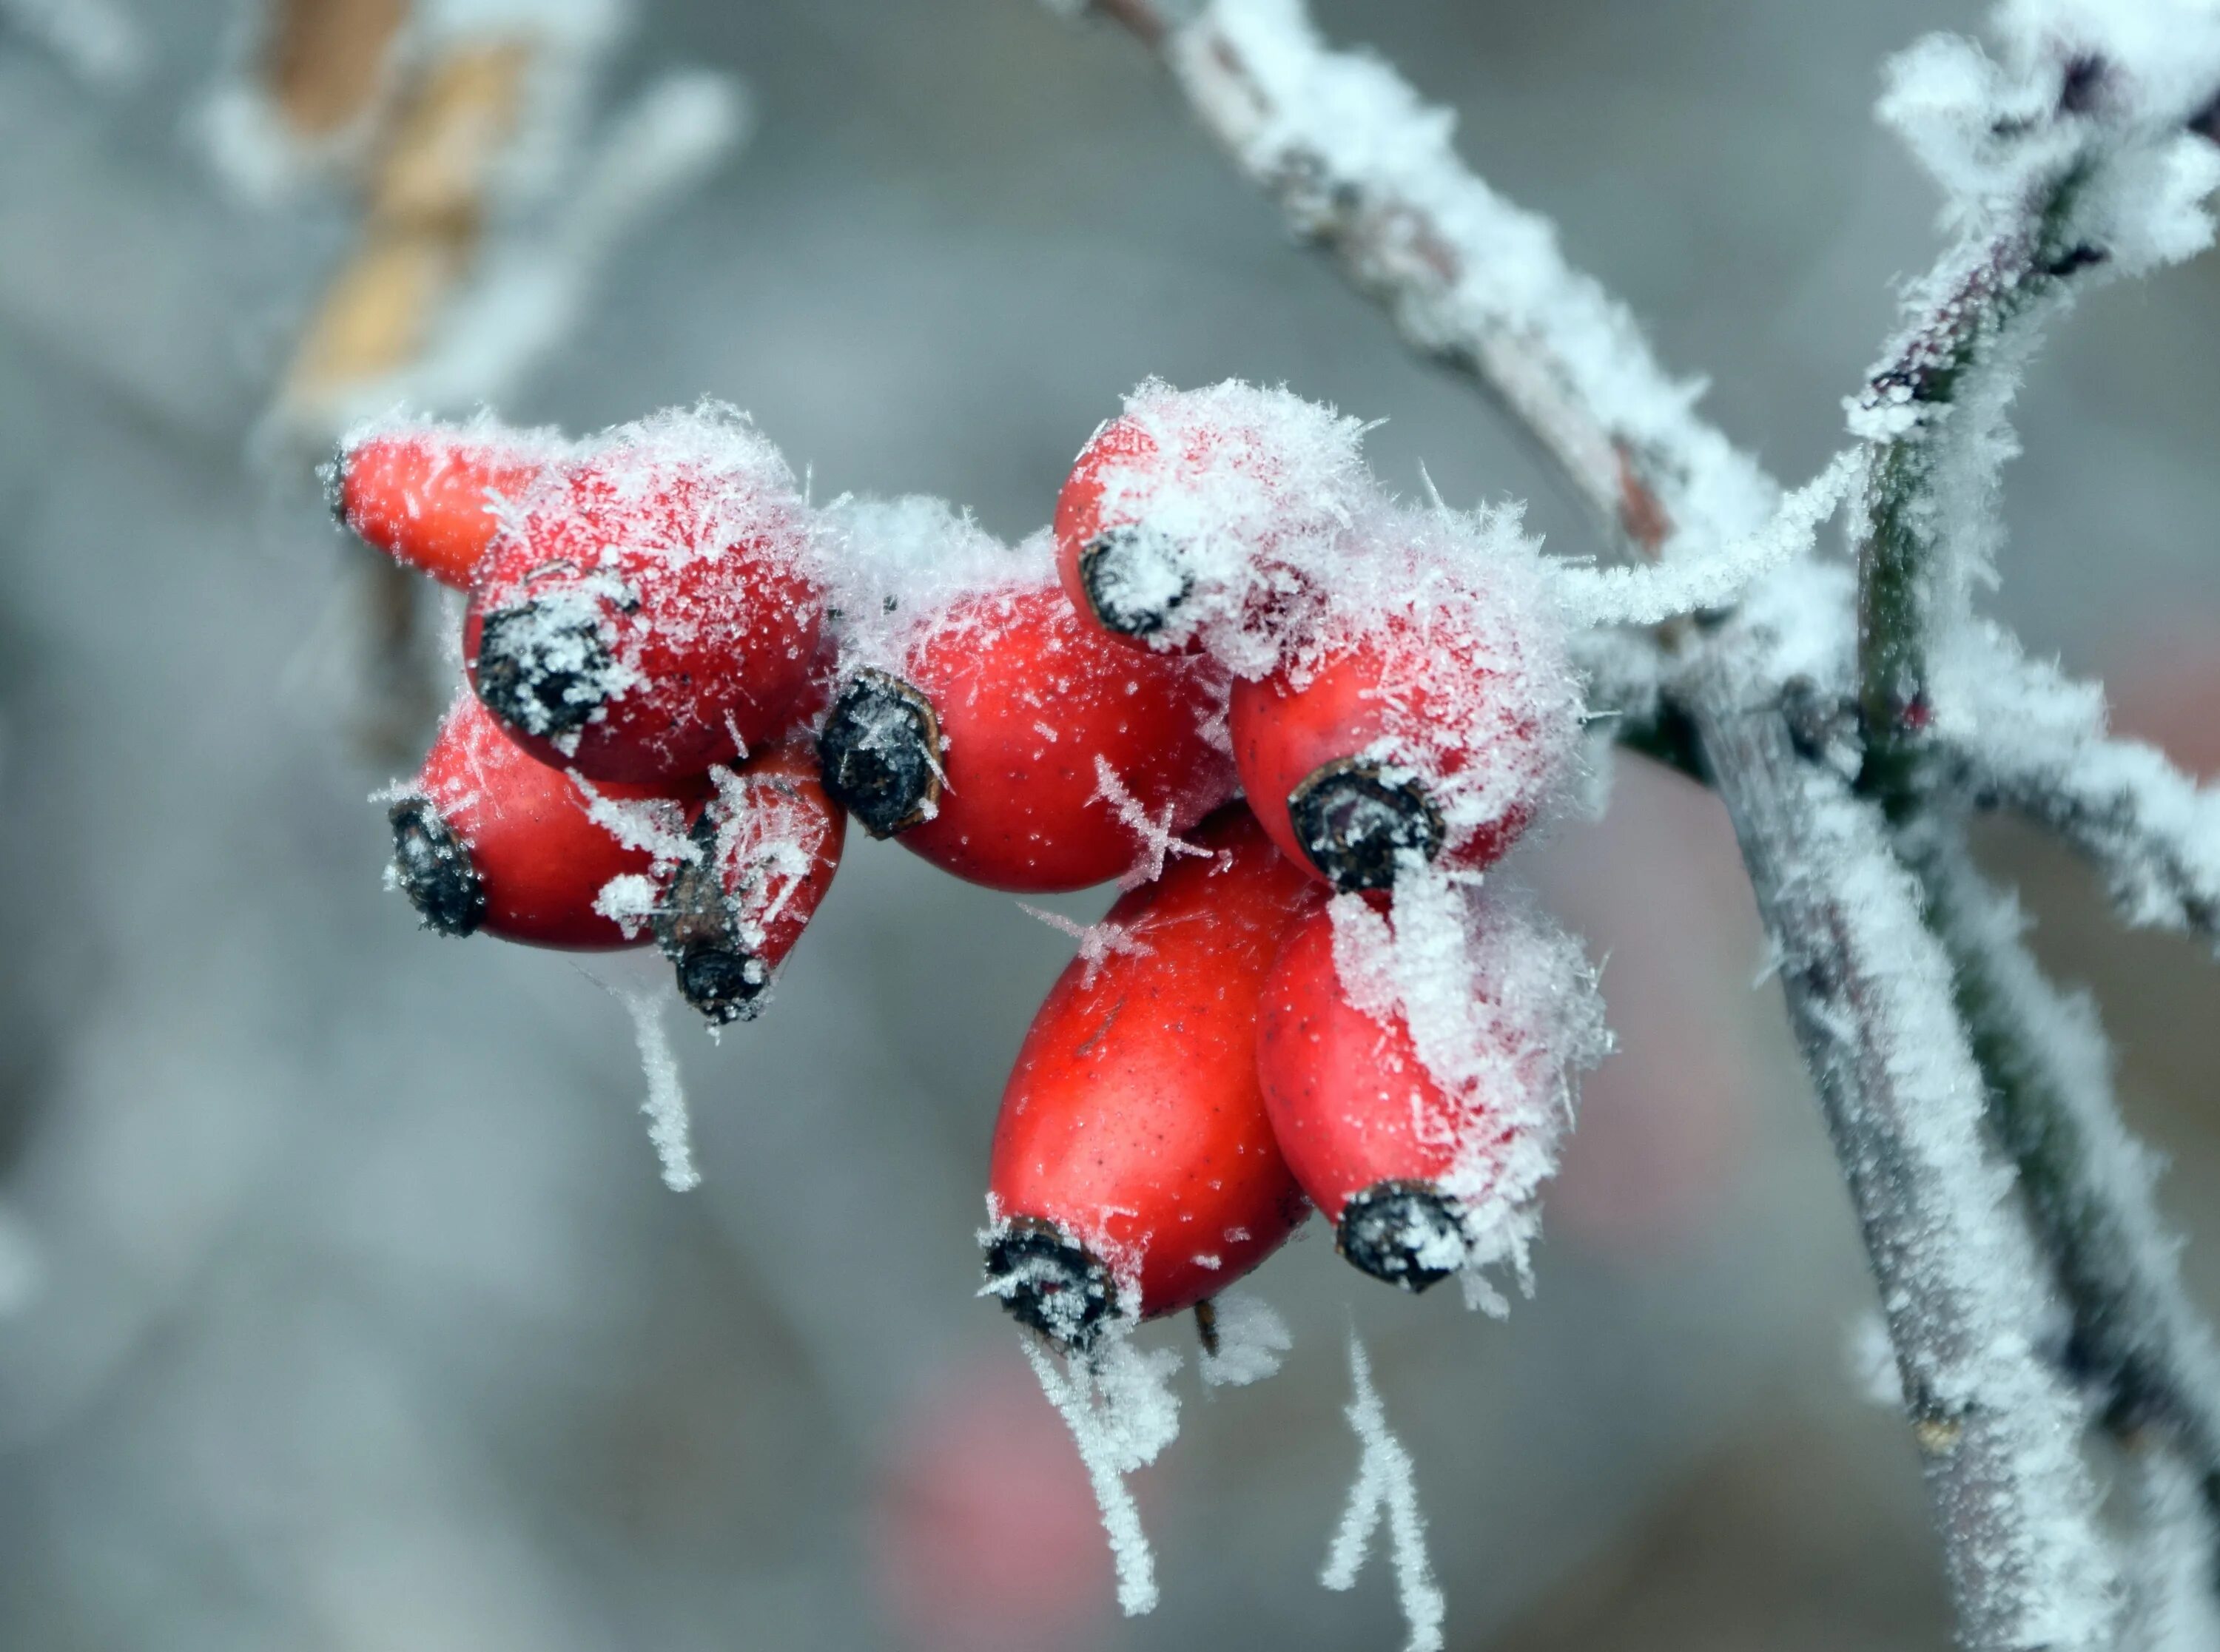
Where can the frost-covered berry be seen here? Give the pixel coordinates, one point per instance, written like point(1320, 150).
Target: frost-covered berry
point(650, 609)
point(1204, 518)
point(429, 496)
point(1431, 715)
point(1014, 746)
point(1134, 1172)
point(488, 838)
point(765, 851)
point(1414, 1069)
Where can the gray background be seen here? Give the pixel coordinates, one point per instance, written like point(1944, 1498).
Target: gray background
point(345, 1307)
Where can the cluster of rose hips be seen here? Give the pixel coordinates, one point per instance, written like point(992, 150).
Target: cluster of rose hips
point(1294, 717)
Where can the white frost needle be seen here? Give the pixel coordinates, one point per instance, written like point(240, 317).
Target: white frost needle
point(669, 1126)
point(1119, 1405)
point(1158, 844)
point(1098, 942)
point(1387, 1483)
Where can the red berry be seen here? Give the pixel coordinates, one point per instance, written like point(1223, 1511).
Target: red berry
point(428, 494)
point(1439, 731)
point(766, 849)
point(1134, 1172)
point(1421, 1172)
point(1205, 517)
point(489, 838)
point(651, 612)
point(986, 752)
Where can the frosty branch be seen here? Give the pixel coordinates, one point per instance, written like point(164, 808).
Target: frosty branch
point(2069, 163)
point(2146, 825)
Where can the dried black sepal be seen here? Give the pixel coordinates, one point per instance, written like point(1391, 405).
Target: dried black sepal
point(1133, 580)
point(433, 867)
point(1049, 1282)
point(542, 673)
point(1355, 824)
point(879, 754)
point(1400, 1231)
point(696, 929)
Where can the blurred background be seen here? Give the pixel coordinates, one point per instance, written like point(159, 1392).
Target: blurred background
point(341, 1303)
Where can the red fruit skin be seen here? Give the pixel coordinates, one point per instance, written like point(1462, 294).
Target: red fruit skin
point(539, 855)
point(424, 496)
point(773, 808)
point(717, 640)
point(1134, 1119)
point(1283, 734)
point(1080, 519)
point(1350, 1102)
point(1028, 696)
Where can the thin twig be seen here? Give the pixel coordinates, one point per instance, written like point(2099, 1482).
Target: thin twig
point(2024, 736)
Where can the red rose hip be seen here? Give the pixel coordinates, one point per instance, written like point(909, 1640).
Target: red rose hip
point(1134, 1172)
point(986, 752)
point(652, 609)
point(1422, 1171)
point(428, 495)
point(489, 838)
point(1200, 517)
point(1437, 731)
point(766, 849)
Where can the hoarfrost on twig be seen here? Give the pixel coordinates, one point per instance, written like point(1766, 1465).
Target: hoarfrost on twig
point(1387, 1483)
point(639, 984)
point(1649, 593)
point(669, 1126)
point(1119, 1403)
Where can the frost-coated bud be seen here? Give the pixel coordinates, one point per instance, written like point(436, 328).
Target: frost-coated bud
point(764, 853)
point(651, 609)
point(1205, 518)
point(489, 838)
point(429, 496)
point(1415, 1072)
point(1437, 724)
point(1018, 748)
point(1134, 1172)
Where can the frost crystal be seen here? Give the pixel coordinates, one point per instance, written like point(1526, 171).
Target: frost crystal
point(642, 988)
point(1646, 594)
point(1098, 942)
point(1252, 1339)
point(1387, 1483)
point(1119, 1403)
point(1158, 844)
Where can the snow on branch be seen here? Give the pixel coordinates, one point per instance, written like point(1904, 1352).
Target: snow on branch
point(2138, 1351)
point(1360, 164)
point(2022, 736)
point(1869, 995)
point(2077, 157)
